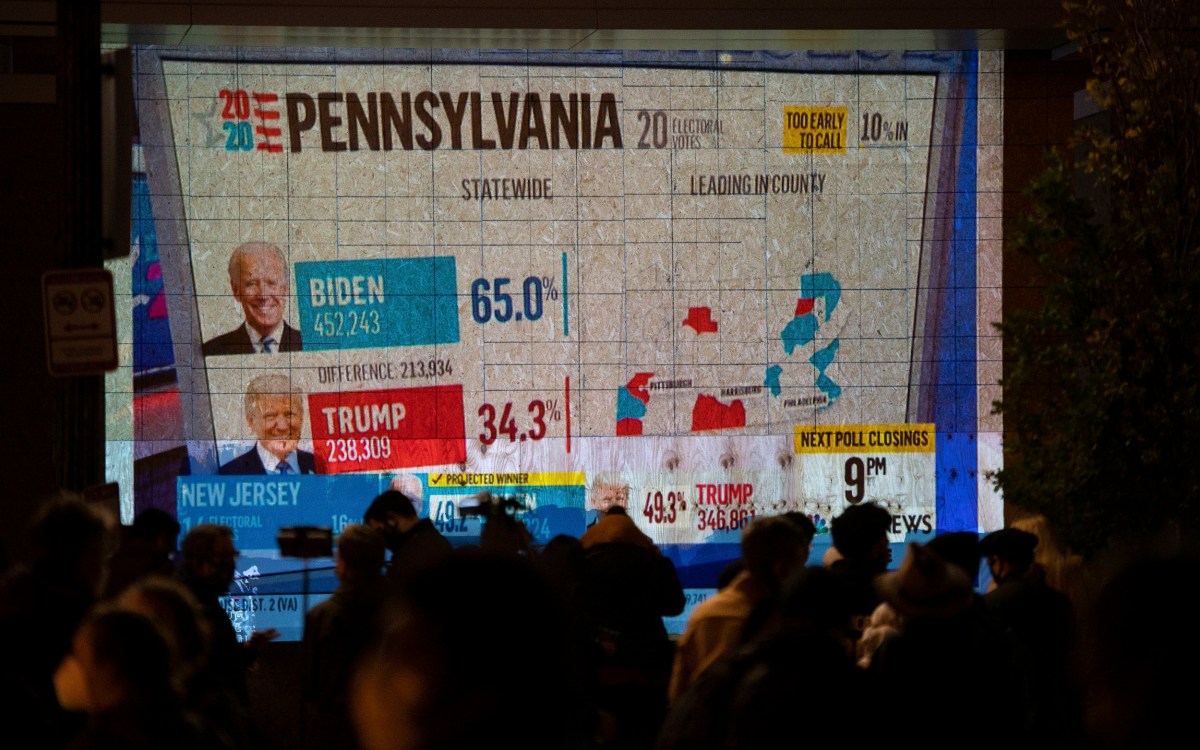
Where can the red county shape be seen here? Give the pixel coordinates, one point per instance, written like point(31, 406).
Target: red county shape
point(700, 320)
point(711, 414)
point(629, 427)
point(637, 386)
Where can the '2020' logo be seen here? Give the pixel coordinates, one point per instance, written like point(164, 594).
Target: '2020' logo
point(248, 128)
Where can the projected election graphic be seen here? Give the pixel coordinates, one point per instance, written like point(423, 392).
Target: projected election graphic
point(674, 279)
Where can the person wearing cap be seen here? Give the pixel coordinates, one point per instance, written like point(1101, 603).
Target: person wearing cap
point(1042, 620)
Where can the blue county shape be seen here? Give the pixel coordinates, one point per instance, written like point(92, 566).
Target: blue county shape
point(772, 379)
point(828, 387)
point(798, 332)
point(628, 405)
point(814, 285)
point(821, 359)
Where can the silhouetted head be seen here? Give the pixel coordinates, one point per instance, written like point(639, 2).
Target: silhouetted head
point(173, 608)
point(209, 559)
point(960, 548)
point(391, 513)
point(773, 547)
point(360, 553)
point(860, 535)
point(925, 586)
point(1013, 545)
point(73, 541)
point(117, 658)
point(475, 652)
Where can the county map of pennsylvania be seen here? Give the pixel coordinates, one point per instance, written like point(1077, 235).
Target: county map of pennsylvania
point(708, 413)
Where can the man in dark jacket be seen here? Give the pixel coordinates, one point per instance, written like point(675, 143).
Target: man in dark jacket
point(335, 631)
point(414, 542)
point(628, 587)
point(860, 535)
point(208, 567)
point(1042, 620)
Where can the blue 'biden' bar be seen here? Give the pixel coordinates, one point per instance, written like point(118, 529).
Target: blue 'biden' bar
point(364, 304)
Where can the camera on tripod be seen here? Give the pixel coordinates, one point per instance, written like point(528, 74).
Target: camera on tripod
point(486, 505)
point(305, 542)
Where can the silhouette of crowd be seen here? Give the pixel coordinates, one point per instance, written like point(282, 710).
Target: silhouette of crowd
point(113, 638)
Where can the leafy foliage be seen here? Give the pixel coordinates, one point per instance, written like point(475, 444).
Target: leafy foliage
point(1102, 392)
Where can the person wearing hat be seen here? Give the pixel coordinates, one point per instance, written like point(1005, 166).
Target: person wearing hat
point(1042, 620)
point(1020, 597)
point(956, 548)
point(949, 662)
point(1009, 554)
